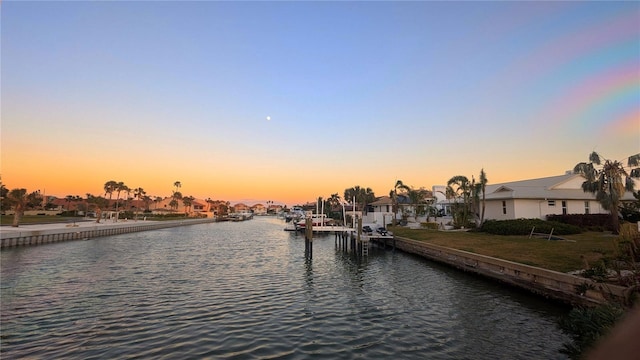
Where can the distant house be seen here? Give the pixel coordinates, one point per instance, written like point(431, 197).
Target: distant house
point(259, 209)
point(381, 210)
point(241, 208)
point(537, 198)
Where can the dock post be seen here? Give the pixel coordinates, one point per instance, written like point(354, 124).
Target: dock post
point(308, 238)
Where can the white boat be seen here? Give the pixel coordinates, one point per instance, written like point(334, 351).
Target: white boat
point(295, 214)
point(316, 220)
point(241, 216)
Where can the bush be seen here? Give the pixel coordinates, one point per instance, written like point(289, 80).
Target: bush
point(592, 222)
point(586, 326)
point(429, 225)
point(524, 226)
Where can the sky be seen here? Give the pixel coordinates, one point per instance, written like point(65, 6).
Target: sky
point(290, 101)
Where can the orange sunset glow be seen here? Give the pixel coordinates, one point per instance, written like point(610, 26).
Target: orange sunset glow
point(266, 109)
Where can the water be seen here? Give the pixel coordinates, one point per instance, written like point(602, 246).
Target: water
point(245, 291)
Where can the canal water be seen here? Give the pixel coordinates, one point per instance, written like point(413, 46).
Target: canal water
point(246, 291)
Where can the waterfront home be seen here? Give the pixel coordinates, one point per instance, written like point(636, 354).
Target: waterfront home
point(259, 209)
point(381, 210)
point(241, 208)
point(537, 198)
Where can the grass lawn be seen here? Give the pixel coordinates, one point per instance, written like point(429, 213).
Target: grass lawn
point(561, 256)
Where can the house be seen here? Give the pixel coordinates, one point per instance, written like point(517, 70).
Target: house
point(241, 208)
point(259, 209)
point(381, 210)
point(537, 198)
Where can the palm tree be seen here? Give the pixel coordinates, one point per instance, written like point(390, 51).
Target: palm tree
point(128, 199)
point(173, 203)
point(418, 198)
point(98, 202)
point(462, 189)
point(139, 194)
point(177, 195)
point(363, 196)
point(17, 198)
point(109, 187)
point(483, 188)
point(333, 202)
point(34, 200)
point(147, 200)
point(69, 198)
point(157, 200)
point(4, 205)
point(120, 186)
point(187, 201)
point(393, 194)
point(609, 180)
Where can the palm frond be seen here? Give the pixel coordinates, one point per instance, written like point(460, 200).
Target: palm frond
point(594, 158)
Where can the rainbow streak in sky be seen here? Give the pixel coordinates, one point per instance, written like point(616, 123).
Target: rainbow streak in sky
point(609, 102)
point(589, 81)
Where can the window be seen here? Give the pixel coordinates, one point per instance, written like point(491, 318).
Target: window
point(586, 207)
point(564, 207)
point(551, 203)
point(504, 207)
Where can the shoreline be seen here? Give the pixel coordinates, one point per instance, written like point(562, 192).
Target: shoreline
point(39, 234)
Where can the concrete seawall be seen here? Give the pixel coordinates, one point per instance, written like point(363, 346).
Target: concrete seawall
point(33, 235)
point(566, 288)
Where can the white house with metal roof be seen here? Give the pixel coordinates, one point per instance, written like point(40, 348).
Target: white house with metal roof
point(538, 198)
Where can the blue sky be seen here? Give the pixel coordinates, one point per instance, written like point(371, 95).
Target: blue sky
point(152, 92)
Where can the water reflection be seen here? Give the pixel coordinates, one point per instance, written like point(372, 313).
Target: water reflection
point(247, 290)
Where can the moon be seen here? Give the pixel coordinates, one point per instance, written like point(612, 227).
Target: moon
point(268, 118)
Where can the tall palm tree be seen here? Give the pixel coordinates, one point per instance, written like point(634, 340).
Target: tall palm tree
point(17, 198)
point(393, 194)
point(120, 186)
point(138, 193)
point(109, 187)
point(483, 188)
point(609, 180)
point(177, 195)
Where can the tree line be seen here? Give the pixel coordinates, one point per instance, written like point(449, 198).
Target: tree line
point(607, 179)
point(21, 200)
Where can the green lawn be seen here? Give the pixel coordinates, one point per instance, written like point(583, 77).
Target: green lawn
point(564, 256)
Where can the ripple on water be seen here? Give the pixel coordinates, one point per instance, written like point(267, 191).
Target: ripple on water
point(245, 290)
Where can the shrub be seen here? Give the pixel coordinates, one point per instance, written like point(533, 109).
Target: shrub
point(524, 226)
point(586, 326)
point(592, 222)
point(429, 225)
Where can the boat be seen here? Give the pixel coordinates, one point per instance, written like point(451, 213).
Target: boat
point(241, 216)
point(295, 214)
point(316, 220)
